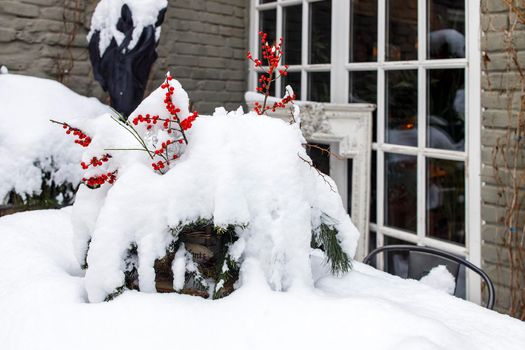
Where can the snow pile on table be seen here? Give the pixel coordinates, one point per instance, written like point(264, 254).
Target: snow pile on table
point(238, 170)
point(441, 279)
point(29, 144)
point(43, 306)
point(108, 12)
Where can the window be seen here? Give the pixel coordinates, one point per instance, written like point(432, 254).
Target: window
point(418, 61)
point(307, 27)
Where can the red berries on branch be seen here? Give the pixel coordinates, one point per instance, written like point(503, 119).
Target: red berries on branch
point(272, 55)
point(98, 180)
point(82, 139)
point(96, 161)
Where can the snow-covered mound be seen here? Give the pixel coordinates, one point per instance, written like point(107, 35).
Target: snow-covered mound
point(107, 14)
point(29, 143)
point(43, 306)
point(238, 169)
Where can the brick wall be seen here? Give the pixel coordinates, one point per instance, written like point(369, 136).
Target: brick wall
point(203, 43)
point(35, 40)
point(497, 81)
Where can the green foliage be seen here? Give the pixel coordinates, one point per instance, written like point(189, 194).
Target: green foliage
point(325, 238)
point(47, 198)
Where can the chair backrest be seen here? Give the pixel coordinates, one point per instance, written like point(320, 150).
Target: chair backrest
point(422, 259)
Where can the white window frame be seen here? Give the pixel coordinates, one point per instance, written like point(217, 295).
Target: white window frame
point(339, 87)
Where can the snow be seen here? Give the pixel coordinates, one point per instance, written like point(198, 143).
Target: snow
point(238, 169)
point(3, 70)
point(29, 143)
point(107, 13)
point(441, 279)
point(44, 306)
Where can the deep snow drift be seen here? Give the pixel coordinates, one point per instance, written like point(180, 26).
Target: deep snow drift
point(29, 143)
point(43, 305)
point(238, 169)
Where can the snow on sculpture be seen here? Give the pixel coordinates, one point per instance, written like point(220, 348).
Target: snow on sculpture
point(122, 44)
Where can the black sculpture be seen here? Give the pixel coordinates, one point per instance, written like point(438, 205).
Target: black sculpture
point(124, 72)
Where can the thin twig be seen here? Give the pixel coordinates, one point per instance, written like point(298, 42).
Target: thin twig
point(318, 172)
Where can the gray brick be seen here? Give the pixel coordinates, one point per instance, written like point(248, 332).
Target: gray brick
point(19, 9)
point(7, 35)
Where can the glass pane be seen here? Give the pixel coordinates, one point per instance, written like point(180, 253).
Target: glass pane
point(363, 31)
point(259, 83)
point(349, 184)
point(401, 191)
point(363, 89)
point(294, 80)
point(265, 1)
point(401, 30)
point(372, 244)
point(320, 158)
point(401, 107)
point(373, 188)
point(267, 24)
point(396, 263)
point(446, 109)
point(446, 29)
point(446, 200)
point(320, 32)
point(292, 34)
point(319, 86)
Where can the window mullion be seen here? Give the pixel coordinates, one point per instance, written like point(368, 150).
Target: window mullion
point(421, 161)
point(304, 50)
point(339, 47)
point(421, 121)
point(381, 100)
point(278, 35)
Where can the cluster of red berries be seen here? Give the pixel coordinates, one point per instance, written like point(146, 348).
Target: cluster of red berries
point(98, 180)
point(260, 109)
point(167, 100)
point(272, 54)
point(96, 161)
point(82, 139)
point(163, 147)
point(188, 122)
point(146, 119)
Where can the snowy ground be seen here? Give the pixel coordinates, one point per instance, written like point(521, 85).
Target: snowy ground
point(43, 306)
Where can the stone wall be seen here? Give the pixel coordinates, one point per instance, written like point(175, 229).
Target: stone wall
point(203, 44)
point(500, 97)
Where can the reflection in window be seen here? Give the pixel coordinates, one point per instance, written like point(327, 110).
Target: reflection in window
point(445, 189)
point(446, 109)
point(320, 32)
point(363, 89)
point(349, 184)
point(294, 80)
point(396, 263)
point(267, 24)
point(292, 34)
point(319, 86)
point(363, 31)
point(401, 30)
point(401, 191)
point(446, 29)
point(373, 188)
point(401, 107)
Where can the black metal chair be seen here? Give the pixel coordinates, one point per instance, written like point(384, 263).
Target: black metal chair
point(422, 259)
